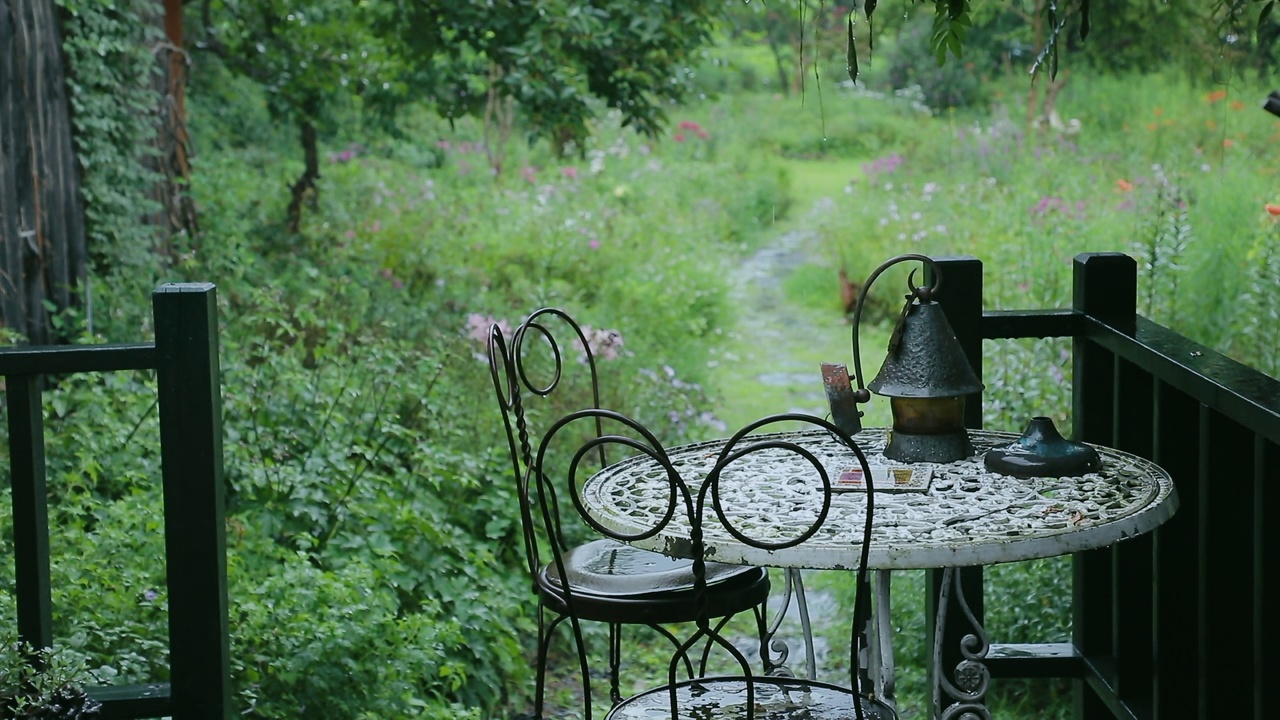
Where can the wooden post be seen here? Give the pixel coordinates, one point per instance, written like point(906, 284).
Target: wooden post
point(30, 510)
point(1105, 289)
point(961, 299)
point(195, 531)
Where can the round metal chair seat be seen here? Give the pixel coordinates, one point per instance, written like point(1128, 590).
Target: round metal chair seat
point(616, 582)
point(776, 698)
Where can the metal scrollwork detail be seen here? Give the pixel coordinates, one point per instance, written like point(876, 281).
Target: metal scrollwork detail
point(966, 711)
point(971, 676)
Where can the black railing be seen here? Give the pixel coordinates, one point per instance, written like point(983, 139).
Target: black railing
point(1173, 624)
point(185, 359)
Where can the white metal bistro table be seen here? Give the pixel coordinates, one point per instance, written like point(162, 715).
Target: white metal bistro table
point(949, 515)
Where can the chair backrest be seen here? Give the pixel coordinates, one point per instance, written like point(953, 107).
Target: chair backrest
point(531, 364)
point(756, 438)
point(694, 500)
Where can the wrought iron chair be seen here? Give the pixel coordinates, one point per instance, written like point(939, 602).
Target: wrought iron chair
point(744, 695)
point(608, 581)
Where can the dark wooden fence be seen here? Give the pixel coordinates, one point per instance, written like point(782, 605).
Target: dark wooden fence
point(185, 358)
point(41, 220)
point(1175, 624)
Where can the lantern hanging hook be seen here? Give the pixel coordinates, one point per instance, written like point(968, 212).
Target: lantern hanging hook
point(923, 293)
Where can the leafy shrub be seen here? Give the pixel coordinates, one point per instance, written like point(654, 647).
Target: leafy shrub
point(957, 83)
point(332, 644)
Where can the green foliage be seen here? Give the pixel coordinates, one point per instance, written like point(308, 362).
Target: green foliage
point(943, 85)
point(28, 693)
point(332, 644)
point(307, 56)
point(109, 67)
point(552, 56)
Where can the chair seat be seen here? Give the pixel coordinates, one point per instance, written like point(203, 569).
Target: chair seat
point(776, 698)
point(615, 582)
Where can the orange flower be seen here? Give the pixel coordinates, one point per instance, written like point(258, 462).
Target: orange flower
point(1159, 111)
point(1237, 105)
point(1151, 126)
point(1272, 208)
point(1228, 143)
point(1215, 96)
point(1124, 185)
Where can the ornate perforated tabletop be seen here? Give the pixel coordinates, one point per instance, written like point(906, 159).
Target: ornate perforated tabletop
point(967, 515)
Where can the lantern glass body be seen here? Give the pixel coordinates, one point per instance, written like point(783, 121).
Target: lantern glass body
point(927, 416)
point(928, 430)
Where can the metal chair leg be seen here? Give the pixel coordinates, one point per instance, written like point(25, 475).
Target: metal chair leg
point(615, 661)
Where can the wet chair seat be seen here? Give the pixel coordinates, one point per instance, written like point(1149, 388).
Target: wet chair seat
point(614, 582)
point(776, 698)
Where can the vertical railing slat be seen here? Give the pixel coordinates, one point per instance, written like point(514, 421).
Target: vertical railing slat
point(1266, 552)
point(191, 447)
point(1133, 582)
point(1176, 450)
point(30, 509)
point(1224, 636)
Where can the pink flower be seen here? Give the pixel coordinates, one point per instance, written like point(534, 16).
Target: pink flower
point(594, 244)
point(703, 134)
point(604, 344)
point(478, 326)
point(689, 125)
point(678, 137)
point(528, 174)
point(569, 171)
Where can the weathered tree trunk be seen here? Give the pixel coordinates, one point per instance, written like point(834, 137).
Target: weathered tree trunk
point(171, 162)
point(306, 183)
point(41, 211)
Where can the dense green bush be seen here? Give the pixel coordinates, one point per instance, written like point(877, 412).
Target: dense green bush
point(955, 84)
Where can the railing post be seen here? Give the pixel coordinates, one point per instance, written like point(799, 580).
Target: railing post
point(195, 533)
point(1105, 289)
point(961, 299)
point(30, 509)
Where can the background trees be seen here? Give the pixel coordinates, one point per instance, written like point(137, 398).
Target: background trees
point(537, 68)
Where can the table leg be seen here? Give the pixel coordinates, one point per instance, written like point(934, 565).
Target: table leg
point(967, 693)
point(882, 664)
point(806, 628)
point(770, 645)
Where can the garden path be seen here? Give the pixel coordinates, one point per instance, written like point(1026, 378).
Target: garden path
point(787, 325)
point(788, 322)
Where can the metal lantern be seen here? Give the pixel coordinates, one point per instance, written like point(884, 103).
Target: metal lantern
point(925, 376)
